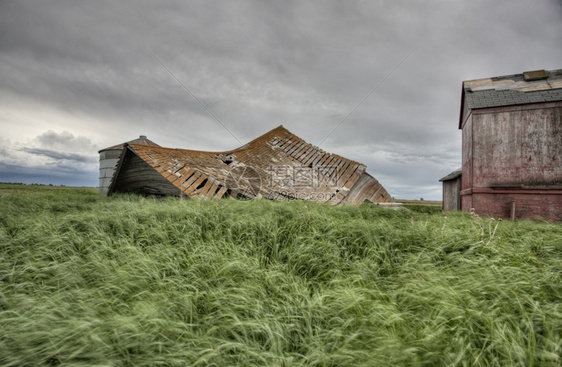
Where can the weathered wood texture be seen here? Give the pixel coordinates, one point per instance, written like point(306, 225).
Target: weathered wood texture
point(277, 165)
point(512, 145)
point(451, 194)
point(513, 153)
point(368, 189)
point(135, 175)
point(517, 147)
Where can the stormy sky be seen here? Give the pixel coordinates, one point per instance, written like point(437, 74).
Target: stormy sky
point(378, 82)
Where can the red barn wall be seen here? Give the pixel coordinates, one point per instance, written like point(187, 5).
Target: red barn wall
point(514, 153)
point(466, 183)
point(515, 146)
point(528, 204)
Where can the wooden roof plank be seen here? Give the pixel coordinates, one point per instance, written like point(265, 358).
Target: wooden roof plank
point(190, 181)
point(190, 191)
point(296, 147)
point(221, 192)
point(297, 154)
point(209, 189)
point(311, 156)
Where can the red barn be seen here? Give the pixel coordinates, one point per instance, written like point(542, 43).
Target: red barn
point(512, 145)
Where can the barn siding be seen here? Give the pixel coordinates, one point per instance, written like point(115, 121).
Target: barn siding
point(466, 178)
point(517, 148)
point(135, 175)
point(451, 194)
point(513, 154)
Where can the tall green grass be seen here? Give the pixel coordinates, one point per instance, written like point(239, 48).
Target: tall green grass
point(131, 281)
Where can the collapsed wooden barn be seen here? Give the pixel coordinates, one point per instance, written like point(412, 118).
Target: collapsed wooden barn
point(277, 165)
point(512, 145)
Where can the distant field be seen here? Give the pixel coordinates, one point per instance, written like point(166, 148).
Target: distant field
point(420, 202)
point(41, 189)
point(422, 206)
point(130, 281)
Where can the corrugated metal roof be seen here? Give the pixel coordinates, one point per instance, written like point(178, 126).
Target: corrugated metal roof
point(276, 165)
point(528, 87)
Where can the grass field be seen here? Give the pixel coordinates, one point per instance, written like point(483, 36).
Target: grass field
point(130, 281)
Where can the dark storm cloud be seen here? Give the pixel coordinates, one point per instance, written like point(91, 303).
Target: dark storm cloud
point(36, 164)
point(61, 156)
point(256, 65)
point(46, 175)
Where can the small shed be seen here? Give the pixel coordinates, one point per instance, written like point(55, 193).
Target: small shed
point(512, 145)
point(452, 191)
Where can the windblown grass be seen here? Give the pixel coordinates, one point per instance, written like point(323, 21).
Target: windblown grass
point(130, 281)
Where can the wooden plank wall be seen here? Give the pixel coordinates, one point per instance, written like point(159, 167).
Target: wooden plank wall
point(134, 174)
point(513, 147)
point(451, 194)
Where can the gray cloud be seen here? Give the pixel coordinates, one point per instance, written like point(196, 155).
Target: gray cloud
point(65, 141)
point(257, 65)
point(61, 156)
point(32, 164)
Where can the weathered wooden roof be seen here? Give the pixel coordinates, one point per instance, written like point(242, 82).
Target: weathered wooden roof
point(453, 175)
point(276, 165)
point(529, 87)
